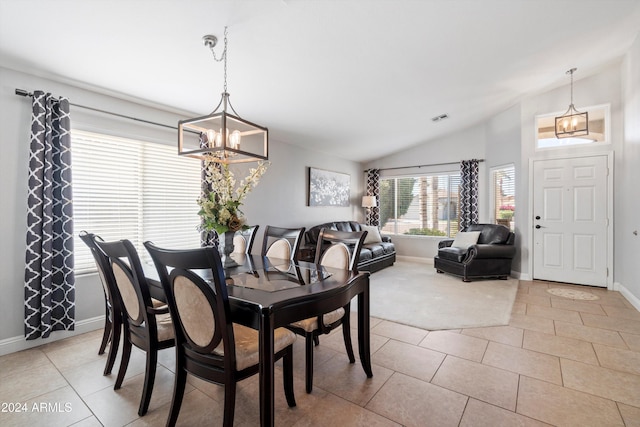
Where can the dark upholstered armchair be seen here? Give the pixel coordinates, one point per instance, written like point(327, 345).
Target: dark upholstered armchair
point(490, 256)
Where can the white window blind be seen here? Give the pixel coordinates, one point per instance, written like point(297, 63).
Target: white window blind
point(504, 202)
point(425, 205)
point(136, 190)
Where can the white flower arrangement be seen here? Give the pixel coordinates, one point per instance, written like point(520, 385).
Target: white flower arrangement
point(220, 209)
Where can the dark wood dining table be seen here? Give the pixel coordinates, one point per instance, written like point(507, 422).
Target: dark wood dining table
point(267, 293)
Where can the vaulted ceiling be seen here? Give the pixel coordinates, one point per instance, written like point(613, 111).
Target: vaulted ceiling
point(357, 78)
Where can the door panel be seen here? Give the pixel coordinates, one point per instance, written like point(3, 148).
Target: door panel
point(570, 236)
point(553, 204)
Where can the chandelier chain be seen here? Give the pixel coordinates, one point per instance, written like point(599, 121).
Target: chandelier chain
point(571, 83)
point(225, 64)
point(570, 72)
point(222, 57)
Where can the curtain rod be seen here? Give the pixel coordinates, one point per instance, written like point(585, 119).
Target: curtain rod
point(22, 92)
point(423, 166)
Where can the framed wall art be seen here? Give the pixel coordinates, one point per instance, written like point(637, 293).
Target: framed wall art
point(327, 188)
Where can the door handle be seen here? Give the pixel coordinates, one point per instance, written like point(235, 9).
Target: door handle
point(538, 226)
point(537, 216)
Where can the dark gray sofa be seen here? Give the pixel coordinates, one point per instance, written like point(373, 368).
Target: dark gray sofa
point(373, 256)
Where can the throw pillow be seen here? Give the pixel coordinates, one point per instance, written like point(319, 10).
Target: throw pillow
point(464, 239)
point(373, 234)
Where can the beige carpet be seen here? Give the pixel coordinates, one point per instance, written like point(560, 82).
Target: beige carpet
point(414, 294)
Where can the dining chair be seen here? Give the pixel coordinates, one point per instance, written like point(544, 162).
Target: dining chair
point(147, 322)
point(281, 242)
point(112, 303)
point(335, 249)
point(243, 240)
point(208, 344)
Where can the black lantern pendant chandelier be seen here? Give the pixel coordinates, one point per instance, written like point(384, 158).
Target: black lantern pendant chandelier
point(572, 123)
point(222, 137)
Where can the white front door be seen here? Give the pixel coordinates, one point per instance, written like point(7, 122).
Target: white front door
point(570, 233)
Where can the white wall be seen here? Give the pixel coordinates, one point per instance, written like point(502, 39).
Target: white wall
point(503, 148)
point(280, 198)
point(627, 219)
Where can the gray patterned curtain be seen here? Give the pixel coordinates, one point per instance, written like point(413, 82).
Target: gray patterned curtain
point(49, 289)
point(373, 189)
point(207, 238)
point(468, 193)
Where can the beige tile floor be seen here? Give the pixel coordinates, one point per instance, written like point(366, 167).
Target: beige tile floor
point(559, 362)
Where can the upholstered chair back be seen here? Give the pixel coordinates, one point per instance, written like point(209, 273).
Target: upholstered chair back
point(199, 306)
point(281, 242)
point(127, 292)
point(239, 244)
point(194, 306)
point(130, 281)
point(337, 256)
point(281, 248)
point(339, 249)
point(243, 240)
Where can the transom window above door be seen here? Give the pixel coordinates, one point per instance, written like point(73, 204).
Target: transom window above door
point(599, 132)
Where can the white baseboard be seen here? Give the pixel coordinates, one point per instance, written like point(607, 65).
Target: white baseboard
point(635, 301)
point(19, 343)
point(521, 276)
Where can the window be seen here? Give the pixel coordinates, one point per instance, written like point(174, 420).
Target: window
point(503, 182)
point(599, 117)
point(136, 190)
point(425, 205)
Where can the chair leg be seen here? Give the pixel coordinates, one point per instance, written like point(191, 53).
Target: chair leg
point(116, 329)
point(149, 379)
point(108, 330)
point(308, 341)
point(316, 340)
point(124, 363)
point(178, 393)
point(287, 373)
point(346, 334)
point(229, 403)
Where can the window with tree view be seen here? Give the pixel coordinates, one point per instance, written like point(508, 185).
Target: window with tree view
point(424, 205)
point(504, 201)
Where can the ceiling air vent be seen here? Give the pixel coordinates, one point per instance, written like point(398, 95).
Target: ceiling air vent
point(440, 117)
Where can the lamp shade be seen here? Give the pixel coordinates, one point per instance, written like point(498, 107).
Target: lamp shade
point(369, 202)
